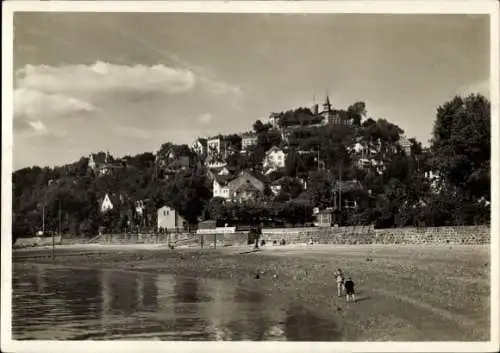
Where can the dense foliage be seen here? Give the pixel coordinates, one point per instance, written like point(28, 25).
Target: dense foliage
point(396, 188)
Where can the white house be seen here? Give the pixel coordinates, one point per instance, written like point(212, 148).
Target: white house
point(168, 219)
point(274, 159)
point(106, 204)
point(215, 145)
point(199, 146)
point(248, 139)
point(220, 187)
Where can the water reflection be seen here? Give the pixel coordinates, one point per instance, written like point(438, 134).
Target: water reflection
point(87, 304)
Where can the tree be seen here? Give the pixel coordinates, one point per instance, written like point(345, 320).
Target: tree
point(291, 188)
point(319, 189)
point(356, 112)
point(216, 208)
point(188, 192)
point(461, 146)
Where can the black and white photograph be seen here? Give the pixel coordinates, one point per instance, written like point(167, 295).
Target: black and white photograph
point(274, 172)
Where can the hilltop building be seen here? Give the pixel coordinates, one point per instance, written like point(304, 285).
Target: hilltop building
point(102, 163)
point(199, 146)
point(312, 117)
point(248, 139)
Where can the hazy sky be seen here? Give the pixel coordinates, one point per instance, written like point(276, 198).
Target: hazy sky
point(127, 83)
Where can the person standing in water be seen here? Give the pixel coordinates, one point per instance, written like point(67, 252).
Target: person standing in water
point(339, 278)
point(349, 290)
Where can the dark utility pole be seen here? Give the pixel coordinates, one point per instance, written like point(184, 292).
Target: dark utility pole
point(53, 238)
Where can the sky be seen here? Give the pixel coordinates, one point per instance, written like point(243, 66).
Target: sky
point(128, 82)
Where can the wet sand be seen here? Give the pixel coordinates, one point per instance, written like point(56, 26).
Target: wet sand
point(406, 293)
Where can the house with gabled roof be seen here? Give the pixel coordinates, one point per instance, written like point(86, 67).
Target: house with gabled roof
point(220, 186)
point(238, 188)
point(111, 201)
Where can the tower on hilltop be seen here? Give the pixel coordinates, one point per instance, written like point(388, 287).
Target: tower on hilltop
point(315, 106)
point(327, 111)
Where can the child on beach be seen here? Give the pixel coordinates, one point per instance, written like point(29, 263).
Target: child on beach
point(339, 278)
point(349, 290)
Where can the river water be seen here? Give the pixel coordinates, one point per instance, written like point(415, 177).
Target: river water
point(82, 304)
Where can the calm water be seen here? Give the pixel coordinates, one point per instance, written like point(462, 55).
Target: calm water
point(69, 304)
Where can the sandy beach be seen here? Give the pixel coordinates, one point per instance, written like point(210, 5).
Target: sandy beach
point(405, 292)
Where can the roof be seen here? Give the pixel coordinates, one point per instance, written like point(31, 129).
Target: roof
point(209, 224)
point(248, 134)
point(165, 205)
point(115, 198)
point(202, 140)
point(244, 178)
point(216, 137)
point(274, 149)
point(223, 179)
point(217, 170)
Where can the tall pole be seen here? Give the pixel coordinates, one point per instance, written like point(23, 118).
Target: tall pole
point(340, 186)
point(53, 239)
point(43, 219)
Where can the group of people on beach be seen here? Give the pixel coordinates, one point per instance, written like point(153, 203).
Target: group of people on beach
point(345, 286)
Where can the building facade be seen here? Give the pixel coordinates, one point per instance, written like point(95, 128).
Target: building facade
point(240, 188)
point(101, 163)
point(275, 158)
point(248, 140)
point(168, 219)
point(199, 146)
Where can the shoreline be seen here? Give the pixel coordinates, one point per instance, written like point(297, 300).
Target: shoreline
point(389, 280)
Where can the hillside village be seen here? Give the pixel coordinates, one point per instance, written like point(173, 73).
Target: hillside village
point(316, 166)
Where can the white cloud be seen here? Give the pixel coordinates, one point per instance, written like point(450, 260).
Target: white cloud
point(105, 77)
point(39, 127)
point(220, 87)
point(205, 118)
point(33, 103)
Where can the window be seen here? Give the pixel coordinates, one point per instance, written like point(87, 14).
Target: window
point(164, 213)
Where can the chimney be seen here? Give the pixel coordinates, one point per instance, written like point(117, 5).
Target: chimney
point(316, 109)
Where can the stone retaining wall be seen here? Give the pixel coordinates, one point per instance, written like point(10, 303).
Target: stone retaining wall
point(36, 241)
point(330, 235)
point(368, 235)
